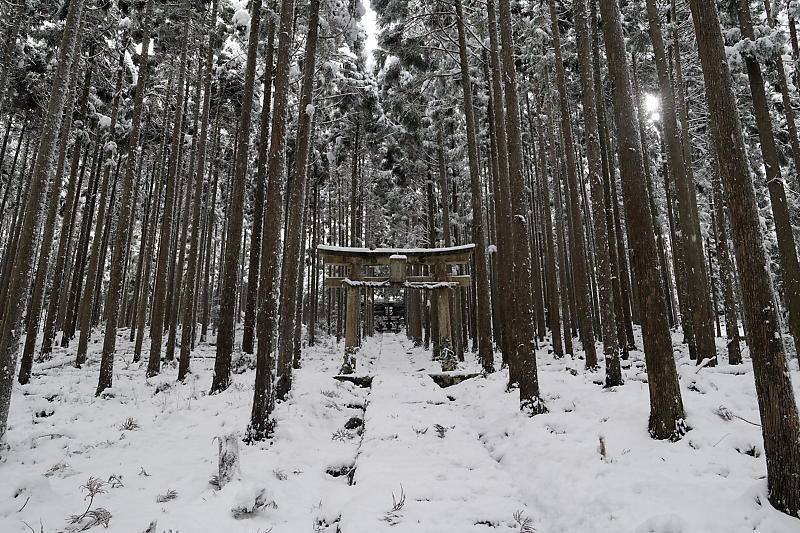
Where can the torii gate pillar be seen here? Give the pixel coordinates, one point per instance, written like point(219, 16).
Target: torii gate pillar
point(351, 322)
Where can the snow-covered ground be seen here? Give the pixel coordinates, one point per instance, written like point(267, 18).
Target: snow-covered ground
point(401, 455)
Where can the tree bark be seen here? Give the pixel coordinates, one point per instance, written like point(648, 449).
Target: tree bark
point(263, 395)
point(248, 336)
point(23, 262)
point(666, 405)
point(162, 266)
point(779, 419)
point(121, 237)
point(582, 295)
point(524, 329)
point(110, 156)
point(607, 317)
point(290, 292)
point(790, 267)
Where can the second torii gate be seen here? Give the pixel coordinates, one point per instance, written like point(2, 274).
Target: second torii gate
point(397, 259)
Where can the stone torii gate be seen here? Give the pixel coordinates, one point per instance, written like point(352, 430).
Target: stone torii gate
point(397, 260)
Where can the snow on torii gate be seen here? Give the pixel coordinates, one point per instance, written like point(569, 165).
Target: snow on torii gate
point(397, 260)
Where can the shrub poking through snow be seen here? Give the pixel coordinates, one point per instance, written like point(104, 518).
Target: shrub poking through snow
point(130, 424)
point(392, 516)
point(228, 466)
point(251, 498)
point(420, 431)
point(90, 517)
point(59, 468)
point(242, 361)
point(440, 430)
point(167, 496)
point(341, 435)
point(524, 522)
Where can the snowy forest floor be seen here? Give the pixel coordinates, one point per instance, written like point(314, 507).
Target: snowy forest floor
point(423, 459)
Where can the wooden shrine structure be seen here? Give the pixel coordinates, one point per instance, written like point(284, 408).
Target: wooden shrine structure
point(398, 260)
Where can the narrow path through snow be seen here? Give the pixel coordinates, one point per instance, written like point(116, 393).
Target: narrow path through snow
point(419, 449)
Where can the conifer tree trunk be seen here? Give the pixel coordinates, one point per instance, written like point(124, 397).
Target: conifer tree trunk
point(118, 261)
point(67, 220)
point(95, 267)
point(779, 419)
point(162, 265)
point(697, 304)
point(260, 426)
point(554, 315)
point(607, 317)
point(725, 268)
point(23, 262)
point(133, 305)
point(291, 293)
point(790, 267)
point(248, 335)
point(505, 236)
point(87, 216)
point(524, 330)
point(52, 197)
point(227, 308)
point(187, 330)
point(484, 326)
point(668, 298)
point(561, 291)
point(581, 286)
point(448, 352)
point(666, 406)
point(145, 293)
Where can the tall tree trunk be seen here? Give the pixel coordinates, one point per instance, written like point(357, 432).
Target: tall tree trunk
point(561, 290)
point(779, 419)
point(52, 198)
point(553, 312)
point(187, 330)
point(260, 426)
point(144, 296)
point(95, 269)
point(582, 295)
point(162, 266)
point(524, 330)
point(70, 316)
point(505, 240)
point(227, 307)
point(666, 405)
point(248, 336)
point(23, 262)
point(697, 304)
point(291, 294)
point(484, 325)
point(726, 274)
point(790, 267)
point(68, 218)
point(607, 317)
point(121, 237)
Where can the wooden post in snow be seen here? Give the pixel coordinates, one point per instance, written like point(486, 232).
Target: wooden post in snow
point(443, 301)
point(351, 322)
